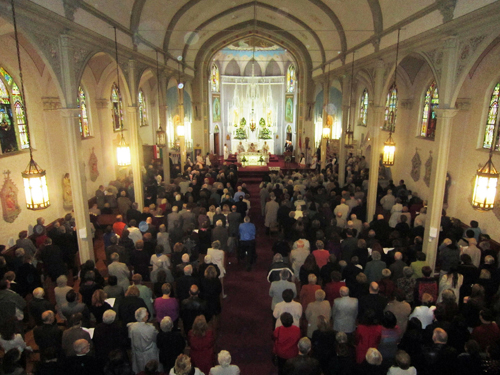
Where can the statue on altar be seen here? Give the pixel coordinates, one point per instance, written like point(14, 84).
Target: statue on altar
point(252, 148)
point(226, 152)
point(265, 148)
point(240, 148)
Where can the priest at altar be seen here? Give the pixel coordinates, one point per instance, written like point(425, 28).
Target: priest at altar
point(264, 146)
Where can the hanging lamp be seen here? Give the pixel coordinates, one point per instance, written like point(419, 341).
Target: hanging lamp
point(485, 183)
point(161, 135)
point(34, 178)
point(123, 157)
point(390, 145)
point(349, 134)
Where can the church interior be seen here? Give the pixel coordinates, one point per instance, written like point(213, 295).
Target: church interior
point(94, 90)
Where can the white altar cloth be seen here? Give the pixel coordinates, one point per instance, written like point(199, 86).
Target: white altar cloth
point(253, 158)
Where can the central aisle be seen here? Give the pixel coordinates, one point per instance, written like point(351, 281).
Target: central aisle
point(246, 319)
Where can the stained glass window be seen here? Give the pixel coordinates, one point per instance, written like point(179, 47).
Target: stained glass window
point(13, 130)
point(215, 78)
point(143, 114)
point(391, 108)
point(83, 116)
point(291, 79)
point(363, 108)
point(492, 121)
point(431, 102)
point(117, 108)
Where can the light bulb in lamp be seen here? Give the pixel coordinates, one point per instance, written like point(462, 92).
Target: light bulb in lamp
point(161, 137)
point(123, 154)
point(389, 152)
point(326, 133)
point(180, 130)
point(35, 187)
point(485, 187)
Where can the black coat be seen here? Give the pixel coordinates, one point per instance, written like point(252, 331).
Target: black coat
point(170, 344)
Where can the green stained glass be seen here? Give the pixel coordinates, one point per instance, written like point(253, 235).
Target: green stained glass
point(489, 134)
point(83, 115)
point(431, 102)
point(363, 110)
point(391, 105)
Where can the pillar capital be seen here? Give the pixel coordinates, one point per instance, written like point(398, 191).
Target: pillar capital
point(446, 112)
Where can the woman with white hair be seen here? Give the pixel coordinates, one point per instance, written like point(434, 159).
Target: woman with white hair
point(163, 239)
point(315, 309)
point(60, 292)
point(143, 339)
point(219, 258)
point(159, 261)
point(170, 343)
point(225, 367)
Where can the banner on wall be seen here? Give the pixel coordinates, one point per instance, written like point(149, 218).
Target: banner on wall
point(8, 196)
point(216, 108)
point(289, 108)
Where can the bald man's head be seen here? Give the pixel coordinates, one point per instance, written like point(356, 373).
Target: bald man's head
point(374, 288)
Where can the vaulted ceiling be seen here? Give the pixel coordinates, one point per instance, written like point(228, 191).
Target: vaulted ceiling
point(326, 29)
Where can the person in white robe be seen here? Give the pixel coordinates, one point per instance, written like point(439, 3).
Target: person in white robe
point(143, 341)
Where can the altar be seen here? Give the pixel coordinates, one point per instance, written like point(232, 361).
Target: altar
point(253, 158)
point(258, 143)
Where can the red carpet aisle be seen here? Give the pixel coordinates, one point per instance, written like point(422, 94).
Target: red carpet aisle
point(246, 319)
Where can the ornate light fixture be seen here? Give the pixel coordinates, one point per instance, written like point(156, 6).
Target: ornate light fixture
point(35, 182)
point(161, 135)
point(123, 157)
point(390, 145)
point(485, 184)
point(349, 135)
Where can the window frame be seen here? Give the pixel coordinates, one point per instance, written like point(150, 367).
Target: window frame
point(363, 108)
point(142, 108)
point(496, 131)
point(18, 119)
point(81, 89)
point(430, 110)
point(391, 100)
point(114, 87)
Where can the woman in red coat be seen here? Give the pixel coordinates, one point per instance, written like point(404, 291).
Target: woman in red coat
point(368, 335)
point(202, 340)
point(286, 338)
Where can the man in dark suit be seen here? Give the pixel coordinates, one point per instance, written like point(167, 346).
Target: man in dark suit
point(185, 282)
point(303, 364)
point(372, 301)
point(48, 334)
point(82, 363)
point(191, 307)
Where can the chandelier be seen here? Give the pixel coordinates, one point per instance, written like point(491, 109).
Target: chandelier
point(390, 145)
point(123, 157)
point(34, 179)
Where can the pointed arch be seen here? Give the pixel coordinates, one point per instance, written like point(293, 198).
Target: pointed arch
point(391, 108)
point(431, 102)
point(248, 68)
point(272, 68)
point(232, 69)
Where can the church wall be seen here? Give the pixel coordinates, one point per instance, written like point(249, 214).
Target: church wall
point(467, 154)
point(406, 135)
point(45, 129)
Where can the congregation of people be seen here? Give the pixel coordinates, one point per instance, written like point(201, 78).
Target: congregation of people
point(154, 307)
point(349, 295)
point(355, 295)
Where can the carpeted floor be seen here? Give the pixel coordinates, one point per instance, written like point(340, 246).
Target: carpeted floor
point(246, 321)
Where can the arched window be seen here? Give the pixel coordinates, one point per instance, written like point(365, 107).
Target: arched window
point(391, 108)
point(143, 113)
point(83, 116)
point(215, 78)
point(431, 102)
point(13, 130)
point(363, 108)
point(117, 108)
point(492, 121)
point(291, 79)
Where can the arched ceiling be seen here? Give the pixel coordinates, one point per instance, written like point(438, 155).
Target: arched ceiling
point(325, 28)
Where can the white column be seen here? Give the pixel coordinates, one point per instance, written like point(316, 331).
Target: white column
point(326, 96)
point(376, 120)
point(135, 144)
point(438, 183)
point(72, 138)
point(345, 120)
